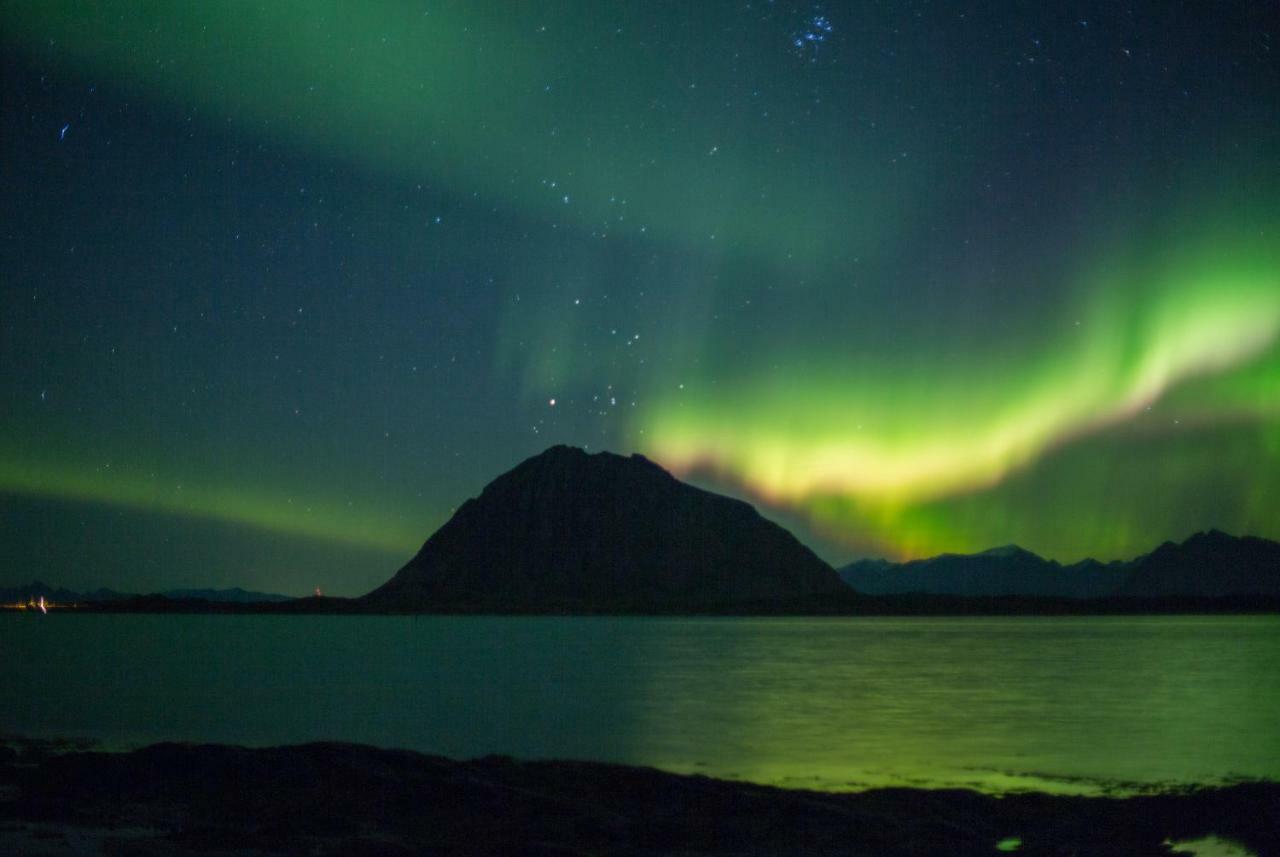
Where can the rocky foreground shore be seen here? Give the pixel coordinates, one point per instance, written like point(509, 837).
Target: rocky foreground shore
point(342, 799)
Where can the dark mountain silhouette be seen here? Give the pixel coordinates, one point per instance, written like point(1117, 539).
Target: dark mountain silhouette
point(1208, 564)
point(570, 531)
point(1008, 570)
point(234, 595)
point(36, 589)
point(1211, 564)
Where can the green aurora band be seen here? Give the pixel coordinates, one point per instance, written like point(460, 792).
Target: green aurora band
point(1088, 422)
point(128, 488)
point(455, 94)
point(911, 459)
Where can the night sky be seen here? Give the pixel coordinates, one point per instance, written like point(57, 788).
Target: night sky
point(283, 283)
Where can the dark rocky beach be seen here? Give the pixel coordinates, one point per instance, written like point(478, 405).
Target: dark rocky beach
point(340, 799)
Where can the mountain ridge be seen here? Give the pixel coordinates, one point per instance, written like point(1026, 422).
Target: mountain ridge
point(37, 588)
point(1208, 563)
point(571, 530)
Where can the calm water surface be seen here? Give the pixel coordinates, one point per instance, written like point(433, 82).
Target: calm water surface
point(1069, 704)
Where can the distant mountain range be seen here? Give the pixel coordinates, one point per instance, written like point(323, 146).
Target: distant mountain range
point(1212, 564)
point(567, 530)
point(36, 589)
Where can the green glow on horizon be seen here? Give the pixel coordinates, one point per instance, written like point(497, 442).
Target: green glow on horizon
point(1111, 496)
point(124, 487)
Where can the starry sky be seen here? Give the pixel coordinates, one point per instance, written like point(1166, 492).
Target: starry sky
point(283, 283)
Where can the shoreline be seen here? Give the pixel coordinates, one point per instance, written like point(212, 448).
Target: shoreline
point(335, 798)
point(989, 781)
point(848, 607)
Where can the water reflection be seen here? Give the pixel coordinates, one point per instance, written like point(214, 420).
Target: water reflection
point(1069, 704)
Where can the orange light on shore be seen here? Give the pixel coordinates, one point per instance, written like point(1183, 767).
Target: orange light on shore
point(42, 604)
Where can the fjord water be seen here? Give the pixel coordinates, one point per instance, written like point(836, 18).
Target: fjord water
point(1065, 704)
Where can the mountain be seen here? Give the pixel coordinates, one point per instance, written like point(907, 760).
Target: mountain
point(574, 532)
point(1008, 570)
point(1212, 564)
point(36, 589)
point(234, 595)
point(1207, 564)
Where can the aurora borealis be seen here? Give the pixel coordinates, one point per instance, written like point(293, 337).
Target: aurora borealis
point(292, 280)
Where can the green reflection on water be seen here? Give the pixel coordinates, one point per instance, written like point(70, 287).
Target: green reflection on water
point(1075, 705)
